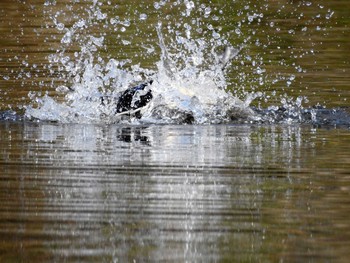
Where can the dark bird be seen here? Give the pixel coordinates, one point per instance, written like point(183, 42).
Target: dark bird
point(135, 98)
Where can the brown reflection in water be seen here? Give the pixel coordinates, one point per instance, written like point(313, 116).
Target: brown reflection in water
point(86, 192)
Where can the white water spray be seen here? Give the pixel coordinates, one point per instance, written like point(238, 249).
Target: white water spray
point(188, 86)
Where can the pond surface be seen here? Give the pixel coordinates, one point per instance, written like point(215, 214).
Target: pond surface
point(73, 191)
point(176, 193)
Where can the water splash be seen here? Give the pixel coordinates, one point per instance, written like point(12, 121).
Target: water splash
point(189, 80)
point(188, 86)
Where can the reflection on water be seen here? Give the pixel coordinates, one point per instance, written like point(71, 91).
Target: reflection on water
point(181, 193)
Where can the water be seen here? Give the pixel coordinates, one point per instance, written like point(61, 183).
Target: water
point(177, 193)
point(204, 62)
point(261, 175)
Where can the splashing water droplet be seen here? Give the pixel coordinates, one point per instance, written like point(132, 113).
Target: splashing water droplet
point(189, 81)
point(67, 38)
point(60, 26)
point(143, 17)
point(156, 5)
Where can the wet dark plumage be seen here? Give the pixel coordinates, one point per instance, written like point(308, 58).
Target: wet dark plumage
point(134, 98)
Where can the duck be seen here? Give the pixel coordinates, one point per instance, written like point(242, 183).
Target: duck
point(135, 97)
point(131, 100)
